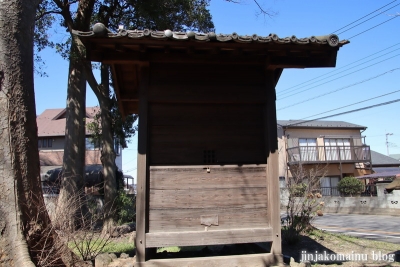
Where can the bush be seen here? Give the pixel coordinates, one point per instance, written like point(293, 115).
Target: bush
point(350, 186)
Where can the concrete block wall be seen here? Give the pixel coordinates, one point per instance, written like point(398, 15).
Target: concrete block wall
point(383, 204)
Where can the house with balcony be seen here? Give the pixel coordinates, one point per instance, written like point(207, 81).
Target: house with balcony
point(337, 148)
point(51, 137)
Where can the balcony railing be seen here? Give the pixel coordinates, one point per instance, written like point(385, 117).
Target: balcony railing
point(326, 154)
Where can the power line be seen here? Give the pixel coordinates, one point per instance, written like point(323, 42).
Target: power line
point(342, 88)
point(347, 112)
point(367, 19)
point(364, 16)
point(373, 27)
point(131, 169)
point(376, 97)
point(336, 69)
point(340, 71)
point(337, 78)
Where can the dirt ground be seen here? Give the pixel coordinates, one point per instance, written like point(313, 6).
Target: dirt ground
point(359, 251)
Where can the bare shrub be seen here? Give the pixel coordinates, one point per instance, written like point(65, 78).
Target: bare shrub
point(78, 223)
point(304, 201)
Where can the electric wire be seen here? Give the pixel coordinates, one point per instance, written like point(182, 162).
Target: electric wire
point(336, 69)
point(131, 169)
point(340, 89)
point(356, 34)
point(336, 73)
point(372, 27)
point(336, 78)
point(367, 19)
point(356, 103)
point(364, 16)
point(347, 112)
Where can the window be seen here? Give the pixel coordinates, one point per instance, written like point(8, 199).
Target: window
point(90, 144)
point(45, 142)
point(337, 148)
point(329, 186)
point(308, 149)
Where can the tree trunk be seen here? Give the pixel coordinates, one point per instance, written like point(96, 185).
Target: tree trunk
point(107, 152)
point(26, 236)
point(73, 177)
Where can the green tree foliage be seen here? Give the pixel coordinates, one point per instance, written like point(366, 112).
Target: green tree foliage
point(350, 186)
point(122, 128)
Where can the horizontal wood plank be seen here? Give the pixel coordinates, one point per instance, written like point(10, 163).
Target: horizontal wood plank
point(253, 260)
point(211, 237)
point(208, 198)
point(198, 178)
point(174, 220)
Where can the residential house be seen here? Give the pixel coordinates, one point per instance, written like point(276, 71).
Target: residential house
point(335, 147)
point(51, 134)
point(382, 163)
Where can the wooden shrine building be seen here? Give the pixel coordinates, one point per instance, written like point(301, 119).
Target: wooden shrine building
point(207, 149)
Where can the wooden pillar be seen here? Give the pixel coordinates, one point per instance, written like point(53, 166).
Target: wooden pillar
point(273, 166)
point(142, 162)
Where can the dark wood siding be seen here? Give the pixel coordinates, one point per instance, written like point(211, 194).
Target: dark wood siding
point(181, 134)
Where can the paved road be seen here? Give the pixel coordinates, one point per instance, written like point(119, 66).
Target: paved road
point(378, 227)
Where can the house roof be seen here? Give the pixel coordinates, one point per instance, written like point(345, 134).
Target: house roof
point(55, 158)
point(127, 51)
point(381, 160)
point(395, 156)
point(52, 121)
point(319, 124)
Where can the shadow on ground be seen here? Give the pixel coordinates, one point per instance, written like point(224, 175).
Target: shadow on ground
point(218, 250)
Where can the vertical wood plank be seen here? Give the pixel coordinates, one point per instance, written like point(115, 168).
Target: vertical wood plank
point(141, 207)
point(272, 167)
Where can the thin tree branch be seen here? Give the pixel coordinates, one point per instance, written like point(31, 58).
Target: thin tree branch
point(47, 13)
point(262, 10)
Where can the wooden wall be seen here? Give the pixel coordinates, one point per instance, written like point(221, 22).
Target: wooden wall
point(207, 155)
point(227, 197)
point(217, 117)
point(190, 134)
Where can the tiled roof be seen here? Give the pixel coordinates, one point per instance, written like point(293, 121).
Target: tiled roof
point(379, 159)
point(55, 158)
point(318, 124)
point(100, 30)
point(52, 121)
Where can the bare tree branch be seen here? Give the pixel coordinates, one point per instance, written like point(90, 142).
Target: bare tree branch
point(41, 15)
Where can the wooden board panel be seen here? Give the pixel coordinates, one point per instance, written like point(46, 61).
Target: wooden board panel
point(215, 237)
point(178, 155)
point(197, 177)
point(181, 195)
point(221, 75)
point(208, 198)
point(253, 260)
point(179, 133)
point(174, 220)
point(181, 93)
point(206, 114)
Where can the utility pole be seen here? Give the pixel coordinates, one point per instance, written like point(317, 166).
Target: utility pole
point(387, 142)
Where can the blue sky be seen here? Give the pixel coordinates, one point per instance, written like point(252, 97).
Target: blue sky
point(368, 67)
